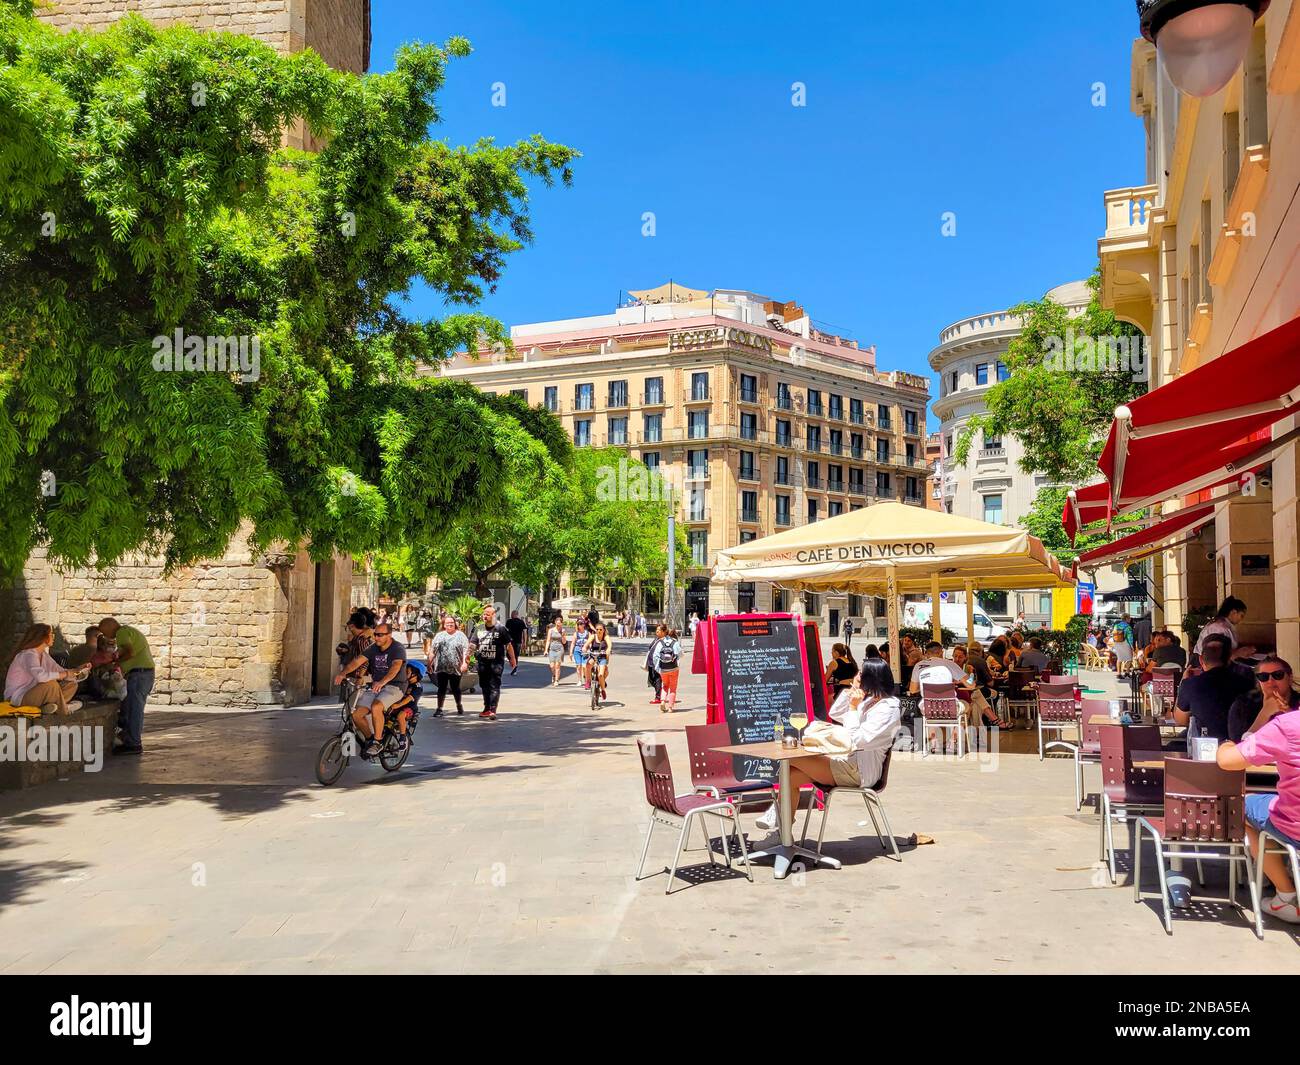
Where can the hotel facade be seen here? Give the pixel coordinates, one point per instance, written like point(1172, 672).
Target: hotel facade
point(760, 420)
point(1204, 257)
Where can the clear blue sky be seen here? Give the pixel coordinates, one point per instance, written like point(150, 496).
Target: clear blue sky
point(980, 107)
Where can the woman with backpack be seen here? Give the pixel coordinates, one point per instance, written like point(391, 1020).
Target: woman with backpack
point(667, 662)
point(653, 677)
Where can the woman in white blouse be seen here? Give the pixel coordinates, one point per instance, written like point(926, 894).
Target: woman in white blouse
point(869, 711)
point(35, 679)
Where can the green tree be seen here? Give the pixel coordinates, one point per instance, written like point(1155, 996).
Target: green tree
point(144, 189)
point(1059, 416)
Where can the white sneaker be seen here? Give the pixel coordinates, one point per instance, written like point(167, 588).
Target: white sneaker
point(767, 820)
point(1282, 911)
point(769, 842)
point(74, 705)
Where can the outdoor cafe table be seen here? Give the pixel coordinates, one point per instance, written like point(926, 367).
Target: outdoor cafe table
point(787, 851)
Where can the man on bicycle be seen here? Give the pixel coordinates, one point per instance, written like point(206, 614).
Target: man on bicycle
point(385, 661)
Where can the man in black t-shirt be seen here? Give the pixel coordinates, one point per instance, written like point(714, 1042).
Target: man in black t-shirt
point(385, 661)
point(491, 642)
point(1208, 697)
point(518, 629)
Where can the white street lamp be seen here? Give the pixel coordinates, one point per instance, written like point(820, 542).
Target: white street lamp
point(1201, 42)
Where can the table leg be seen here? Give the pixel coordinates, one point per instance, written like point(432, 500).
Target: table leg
point(787, 853)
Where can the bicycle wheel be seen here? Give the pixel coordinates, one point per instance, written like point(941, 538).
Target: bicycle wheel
point(392, 759)
point(595, 694)
point(331, 761)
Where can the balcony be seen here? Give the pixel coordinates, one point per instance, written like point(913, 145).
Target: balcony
point(782, 479)
point(652, 399)
point(697, 473)
point(884, 425)
point(857, 489)
point(617, 401)
point(699, 395)
point(813, 481)
point(784, 440)
point(783, 520)
point(748, 395)
point(784, 402)
point(837, 447)
point(1246, 194)
point(836, 413)
point(815, 410)
point(993, 452)
point(748, 432)
point(1130, 252)
point(749, 515)
point(747, 473)
point(834, 486)
point(585, 405)
point(914, 498)
point(696, 516)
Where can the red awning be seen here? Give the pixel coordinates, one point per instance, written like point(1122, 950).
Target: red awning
point(1083, 506)
point(1204, 427)
point(1148, 541)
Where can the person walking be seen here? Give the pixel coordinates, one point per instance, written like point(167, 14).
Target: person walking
point(449, 660)
point(518, 629)
point(137, 665)
point(668, 663)
point(492, 646)
point(653, 677)
point(557, 644)
point(846, 634)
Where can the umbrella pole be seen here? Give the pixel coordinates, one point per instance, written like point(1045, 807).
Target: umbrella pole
point(936, 622)
point(970, 611)
point(891, 600)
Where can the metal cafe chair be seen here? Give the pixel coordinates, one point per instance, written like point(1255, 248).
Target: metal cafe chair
point(1204, 810)
point(1089, 752)
point(1126, 789)
point(1018, 694)
point(1164, 688)
point(1057, 713)
point(1282, 847)
point(671, 810)
point(941, 709)
point(713, 773)
point(870, 796)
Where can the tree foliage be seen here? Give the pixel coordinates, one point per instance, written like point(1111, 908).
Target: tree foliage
point(145, 188)
point(1059, 416)
point(1043, 520)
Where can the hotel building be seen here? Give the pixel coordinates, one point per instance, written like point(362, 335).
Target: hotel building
point(762, 420)
point(1202, 258)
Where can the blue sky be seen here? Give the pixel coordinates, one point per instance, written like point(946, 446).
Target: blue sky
point(979, 107)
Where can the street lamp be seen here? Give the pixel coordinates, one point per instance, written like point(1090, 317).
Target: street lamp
point(1202, 42)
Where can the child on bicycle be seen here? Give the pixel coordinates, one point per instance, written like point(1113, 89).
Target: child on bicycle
point(406, 711)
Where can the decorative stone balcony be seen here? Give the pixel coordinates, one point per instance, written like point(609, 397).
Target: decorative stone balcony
point(1129, 253)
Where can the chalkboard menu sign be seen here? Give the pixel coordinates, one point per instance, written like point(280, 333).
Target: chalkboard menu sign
point(761, 669)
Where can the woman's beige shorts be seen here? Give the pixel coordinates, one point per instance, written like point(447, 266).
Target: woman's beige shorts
point(845, 771)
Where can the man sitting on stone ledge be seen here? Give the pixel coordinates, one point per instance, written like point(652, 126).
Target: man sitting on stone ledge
point(35, 679)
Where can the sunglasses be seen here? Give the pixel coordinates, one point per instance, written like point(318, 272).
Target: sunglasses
point(1276, 674)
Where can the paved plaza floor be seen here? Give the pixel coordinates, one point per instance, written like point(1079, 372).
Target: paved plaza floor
point(511, 846)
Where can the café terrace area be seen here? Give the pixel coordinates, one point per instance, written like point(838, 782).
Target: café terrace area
point(512, 847)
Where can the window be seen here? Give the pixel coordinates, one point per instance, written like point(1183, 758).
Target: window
point(697, 465)
point(855, 480)
point(992, 443)
point(882, 485)
point(699, 386)
point(782, 470)
point(855, 606)
point(812, 511)
point(778, 601)
point(783, 510)
point(812, 605)
point(551, 398)
point(1255, 91)
point(618, 430)
point(882, 450)
point(837, 441)
point(699, 543)
point(855, 446)
point(910, 452)
point(522, 393)
point(748, 388)
point(1003, 372)
point(744, 596)
point(834, 508)
point(993, 509)
point(836, 407)
point(814, 402)
point(1231, 155)
point(582, 432)
point(749, 427)
point(783, 397)
point(746, 535)
point(882, 416)
point(697, 424)
point(982, 373)
point(913, 491)
point(783, 433)
point(952, 381)
point(584, 397)
point(654, 390)
point(814, 475)
point(618, 394)
point(835, 478)
point(1045, 603)
point(909, 422)
point(814, 438)
point(749, 506)
point(696, 511)
point(748, 472)
point(856, 415)
point(654, 428)
point(650, 459)
point(947, 445)
point(1207, 238)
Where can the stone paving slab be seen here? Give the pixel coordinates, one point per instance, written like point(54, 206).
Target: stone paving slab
point(511, 846)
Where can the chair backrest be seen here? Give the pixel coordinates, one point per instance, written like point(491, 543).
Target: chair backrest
point(884, 771)
point(1164, 683)
point(658, 770)
point(1118, 743)
point(1057, 678)
point(1093, 707)
point(939, 702)
point(1204, 802)
point(708, 766)
point(1018, 680)
point(1056, 702)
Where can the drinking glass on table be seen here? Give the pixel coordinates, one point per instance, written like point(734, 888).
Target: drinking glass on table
point(799, 721)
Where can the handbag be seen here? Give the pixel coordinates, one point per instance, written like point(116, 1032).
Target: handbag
point(824, 737)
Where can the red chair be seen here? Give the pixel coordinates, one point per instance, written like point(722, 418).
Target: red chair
point(941, 709)
point(714, 774)
point(1164, 688)
point(676, 811)
point(1204, 810)
point(1126, 789)
point(1019, 695)
point(1057, 713)
point(871, 796)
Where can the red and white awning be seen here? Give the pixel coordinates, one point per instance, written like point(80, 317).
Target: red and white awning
point(1158, 537)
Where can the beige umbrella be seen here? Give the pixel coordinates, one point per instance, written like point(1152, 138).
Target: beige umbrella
point(891, 549)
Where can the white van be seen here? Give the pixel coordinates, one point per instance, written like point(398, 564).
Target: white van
point(952, 616)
